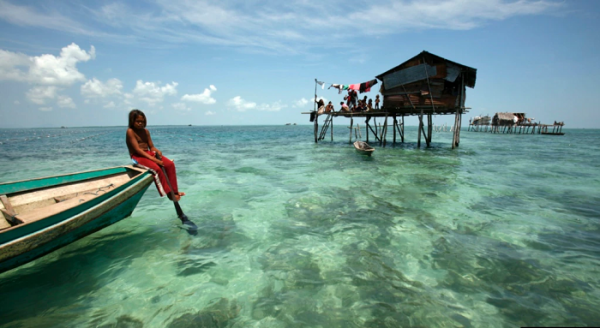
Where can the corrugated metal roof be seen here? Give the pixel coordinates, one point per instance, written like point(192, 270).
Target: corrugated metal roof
point(470, 73)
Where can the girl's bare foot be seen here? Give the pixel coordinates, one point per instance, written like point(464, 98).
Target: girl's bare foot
point(176, 197)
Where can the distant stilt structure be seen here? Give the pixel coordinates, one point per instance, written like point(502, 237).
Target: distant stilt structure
point(513, 123)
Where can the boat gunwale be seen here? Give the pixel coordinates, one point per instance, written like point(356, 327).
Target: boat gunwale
point(71, 177)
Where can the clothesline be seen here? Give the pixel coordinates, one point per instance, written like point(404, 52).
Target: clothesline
point(360, 87)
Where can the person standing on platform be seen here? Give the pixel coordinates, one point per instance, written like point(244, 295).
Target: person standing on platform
point(320, 106)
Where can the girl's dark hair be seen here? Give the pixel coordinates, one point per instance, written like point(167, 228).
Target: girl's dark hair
point(133, 115)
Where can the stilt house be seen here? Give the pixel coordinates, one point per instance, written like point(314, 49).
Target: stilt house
point(427, 84)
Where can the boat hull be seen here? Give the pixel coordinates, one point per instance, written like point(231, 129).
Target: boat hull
point(363, 148)
point(68, 228)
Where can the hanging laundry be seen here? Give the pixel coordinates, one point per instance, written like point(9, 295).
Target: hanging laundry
point(340, 87)
point(337, 86)
point(354, 86)
point(366, 87)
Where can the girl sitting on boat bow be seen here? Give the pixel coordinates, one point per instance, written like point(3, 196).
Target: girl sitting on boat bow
point(143, 153)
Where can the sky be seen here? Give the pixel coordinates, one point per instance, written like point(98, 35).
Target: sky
point(88, 63)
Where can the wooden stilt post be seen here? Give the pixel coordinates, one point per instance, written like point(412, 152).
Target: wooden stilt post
point(316, 114)
point(419, 132)
point(402, 135)
point(460, 120)
point(454, 130)
point(385, 128)
point(367, 126)
point(316, 128)
point(429, 128)
point(375, 123)
point(351, 123)
point(382, 128)
point(395, 126)
point(456, 138)
point(332, 127)
point(423, 131)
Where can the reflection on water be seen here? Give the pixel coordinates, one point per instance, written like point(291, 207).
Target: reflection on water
point(501, 232)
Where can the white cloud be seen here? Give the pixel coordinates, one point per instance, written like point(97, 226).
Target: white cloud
point(209, 113)
point(240, 104)
point(281, 26)
point(204, 97)
point(292, 26)
point(274, 107)
point(181, 107)
point(152, 93)
point(17, 102)
point(110, 105)
point(65, 102)
point(39, 95)
point(45, 69)
point(45, 109)
point(12, 66)
point(50, 18)
point(301, 103)
point(95, 88)
point(62, 70)
point(47, 72)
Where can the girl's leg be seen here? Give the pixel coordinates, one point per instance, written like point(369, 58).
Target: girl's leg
point(159, 177)
point(171, 173)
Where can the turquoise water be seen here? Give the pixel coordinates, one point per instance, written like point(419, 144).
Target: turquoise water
point(503, 231)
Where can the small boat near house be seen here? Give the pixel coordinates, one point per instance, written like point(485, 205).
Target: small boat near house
point(41, 215)
point(363, 148)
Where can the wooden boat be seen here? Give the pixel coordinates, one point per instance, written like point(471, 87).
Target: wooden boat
point(363, 148)
point(41, 215)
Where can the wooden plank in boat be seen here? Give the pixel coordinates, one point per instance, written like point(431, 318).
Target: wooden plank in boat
point(49, 193)
point(8, 213)
point(47, 211)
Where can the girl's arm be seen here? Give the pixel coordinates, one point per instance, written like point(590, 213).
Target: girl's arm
point(138, 151)
point(151, 144)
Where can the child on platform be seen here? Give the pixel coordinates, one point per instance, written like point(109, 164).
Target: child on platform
point(329, 108)
point(143, 153)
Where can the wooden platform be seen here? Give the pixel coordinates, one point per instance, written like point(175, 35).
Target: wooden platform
point(425, 129)
point(399, 111)
point(525, 128)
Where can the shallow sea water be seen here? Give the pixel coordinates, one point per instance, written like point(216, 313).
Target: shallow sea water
point(503, 231)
